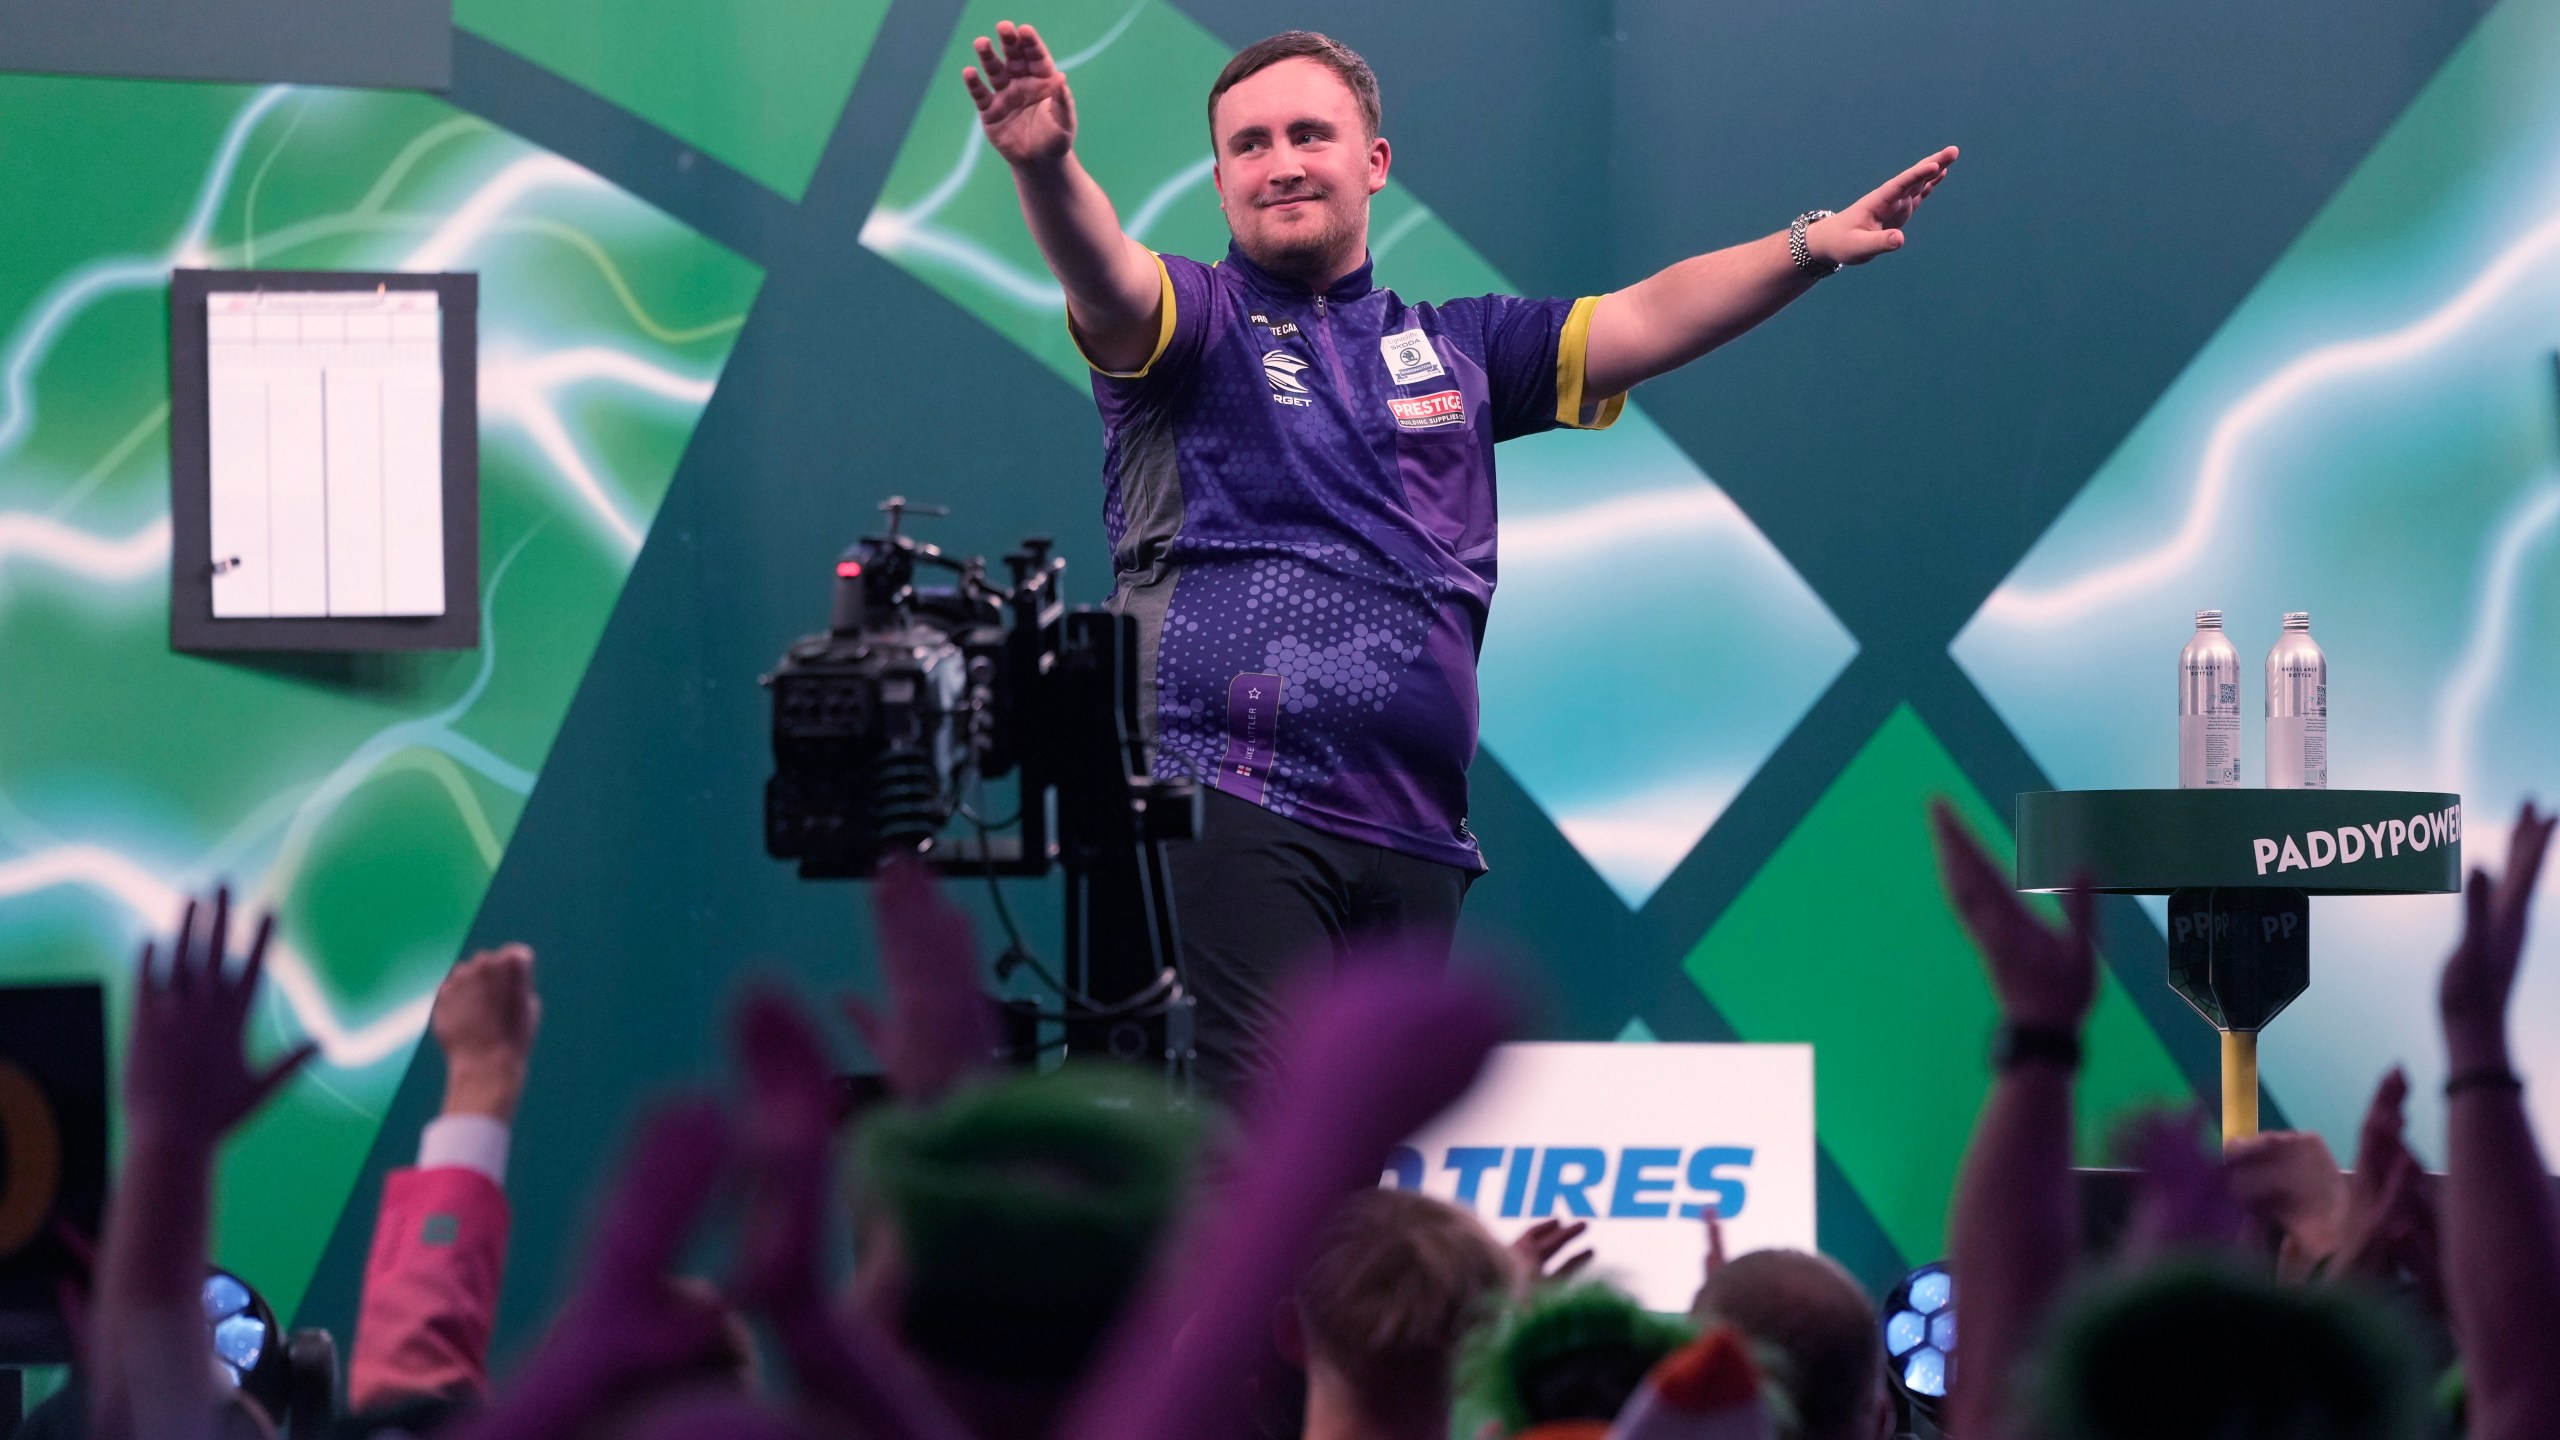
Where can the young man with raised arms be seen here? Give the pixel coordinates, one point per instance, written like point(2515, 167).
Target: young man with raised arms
point(1298, 487)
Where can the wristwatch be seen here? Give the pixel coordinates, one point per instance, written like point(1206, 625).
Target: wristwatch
point(2015, 1045)
point(1801, 252)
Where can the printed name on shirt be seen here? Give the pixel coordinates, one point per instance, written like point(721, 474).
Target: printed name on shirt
point(1410, 358)
point(1282, 369)
point(1430, 412)
point(1280, 331)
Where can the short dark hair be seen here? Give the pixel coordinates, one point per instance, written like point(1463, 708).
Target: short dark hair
point(1397, 1281)
point(1326, 51)
point(1820, 1323)
point(2249, 1357)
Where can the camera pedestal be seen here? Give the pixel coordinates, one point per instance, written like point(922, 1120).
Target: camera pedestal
point(916, 695)
point(2240, 867)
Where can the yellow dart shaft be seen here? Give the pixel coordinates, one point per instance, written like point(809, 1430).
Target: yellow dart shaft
point(2239, 1083)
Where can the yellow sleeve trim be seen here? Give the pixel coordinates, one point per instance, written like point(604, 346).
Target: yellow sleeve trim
point(1164, 333)
point(1571, 348)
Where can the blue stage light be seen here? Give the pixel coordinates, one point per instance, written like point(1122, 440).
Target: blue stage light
point(1920, 1334)
point(244, 1329)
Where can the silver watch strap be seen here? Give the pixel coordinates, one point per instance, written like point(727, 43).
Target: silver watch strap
point(1800, 251)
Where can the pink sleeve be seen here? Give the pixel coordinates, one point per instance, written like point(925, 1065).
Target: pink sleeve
point(430, 1287)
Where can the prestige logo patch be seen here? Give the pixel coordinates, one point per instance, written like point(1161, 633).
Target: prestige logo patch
point(1282, 369)
point(1430, 412)
point(1410, 358)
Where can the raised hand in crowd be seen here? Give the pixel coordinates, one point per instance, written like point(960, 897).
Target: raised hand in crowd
point(2015, 1224)
point(632, 1332)
point(2501, 1228)
point(2378, 1225)
point(2043, 979)
point(439, 1254)
point(1712, 1261)
point(940, 1027)
point(2388, 1232)
point(849, 1372)
point(1538, 1246)
point(485, 1018)
point(1367, 1061)
point(2289, 1180)
point(188, 1084)
point(2185, 1202)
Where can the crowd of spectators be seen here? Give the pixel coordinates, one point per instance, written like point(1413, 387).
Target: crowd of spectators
point(1075, 1254)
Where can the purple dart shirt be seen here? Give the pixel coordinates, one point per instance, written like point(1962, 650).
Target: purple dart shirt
point(1299, 494)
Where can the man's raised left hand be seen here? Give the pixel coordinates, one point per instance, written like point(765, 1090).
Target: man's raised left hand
point(1873, 226)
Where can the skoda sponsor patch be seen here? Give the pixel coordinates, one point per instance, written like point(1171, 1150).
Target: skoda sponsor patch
point(1430, 412)
point(1410, 358)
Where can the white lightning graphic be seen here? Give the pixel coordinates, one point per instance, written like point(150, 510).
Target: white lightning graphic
point(1160, 199)
point(2015, 605)
point(1127, 17)
point(517, 392)
point(500, 193)
point(907, 232)
point(160, 905)
point(1409, 222)
point(1639, 838)
point(2473, 682)
point(91, 283)
point(1585, 531)
point(521, 390)
point(138, 556)
point(557, 370)
point(520, 393)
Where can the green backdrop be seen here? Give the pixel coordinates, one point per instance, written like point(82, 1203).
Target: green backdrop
point(746, 269)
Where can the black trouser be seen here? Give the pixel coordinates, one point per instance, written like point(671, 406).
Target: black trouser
point(1262, 900)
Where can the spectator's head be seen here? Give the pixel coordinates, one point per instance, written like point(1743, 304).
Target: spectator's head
point(1397, 1282)
point(2197, 1348)
point(1818, 1330)
point(1022, 1216)
point(1569, 1355)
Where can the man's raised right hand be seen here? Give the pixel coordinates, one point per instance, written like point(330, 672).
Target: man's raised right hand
point(485, 1017)
point(1022, 97)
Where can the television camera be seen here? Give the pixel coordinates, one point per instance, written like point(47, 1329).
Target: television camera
point(887, 726)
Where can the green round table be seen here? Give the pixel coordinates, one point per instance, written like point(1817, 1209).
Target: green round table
point(2240, 867)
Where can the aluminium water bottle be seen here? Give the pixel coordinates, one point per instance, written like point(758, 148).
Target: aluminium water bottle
point(2208, 707)
point(2297, 709)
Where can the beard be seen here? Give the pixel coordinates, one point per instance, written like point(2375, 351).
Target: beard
point(1303, 252)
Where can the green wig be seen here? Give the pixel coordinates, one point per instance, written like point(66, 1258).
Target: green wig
point(1028, 1210)
point(1575, 1352)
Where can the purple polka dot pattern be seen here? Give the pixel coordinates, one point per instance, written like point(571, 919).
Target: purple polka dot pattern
point(1270, 512)
point(1338, 633)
